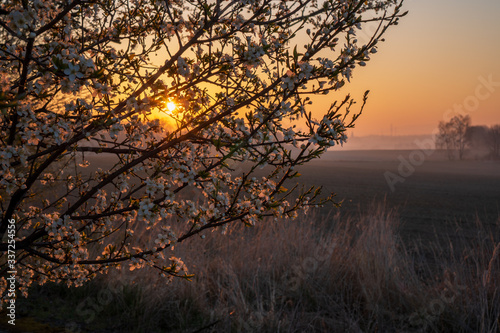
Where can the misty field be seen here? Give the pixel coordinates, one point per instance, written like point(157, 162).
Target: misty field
point(422, 258)
point(435, 196)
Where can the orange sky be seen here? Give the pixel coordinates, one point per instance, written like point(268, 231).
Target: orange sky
point(431, 63)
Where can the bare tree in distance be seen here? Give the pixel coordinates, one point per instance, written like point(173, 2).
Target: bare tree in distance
point(494, 141)
point(85, 160)
point(477, 136)
point(453, 136)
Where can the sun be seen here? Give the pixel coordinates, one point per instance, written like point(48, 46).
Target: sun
point(171, 106)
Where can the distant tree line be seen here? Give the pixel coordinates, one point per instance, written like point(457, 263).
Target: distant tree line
point(485, 137)
point(457, 135)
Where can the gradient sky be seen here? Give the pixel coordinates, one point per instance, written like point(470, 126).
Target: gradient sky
point(430, 63)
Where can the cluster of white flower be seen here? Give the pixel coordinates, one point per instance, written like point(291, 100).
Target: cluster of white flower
point(289, 81)
point(182, 67)
point(154, 186)
point(306, 70)
point(329, 132)
point(10, 179)
point(57, 227)
point(166, 237)
point(253, 53)
point(144, 212)
point(74, 66)
point(19, 20)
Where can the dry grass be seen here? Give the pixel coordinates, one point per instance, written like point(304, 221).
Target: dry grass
point(319, 275)
point(309, 275)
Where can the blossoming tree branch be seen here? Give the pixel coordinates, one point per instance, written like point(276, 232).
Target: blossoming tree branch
point(120, 115)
